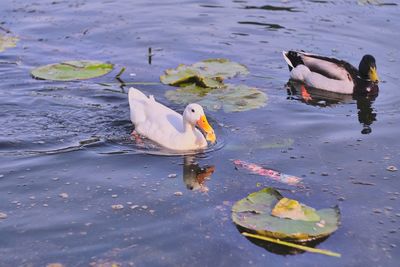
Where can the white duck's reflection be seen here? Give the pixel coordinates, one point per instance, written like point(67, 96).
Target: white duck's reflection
point(194, 176)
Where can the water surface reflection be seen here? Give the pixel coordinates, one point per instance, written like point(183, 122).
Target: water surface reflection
point(319, 98)
point(195, 176)
point(280, 249)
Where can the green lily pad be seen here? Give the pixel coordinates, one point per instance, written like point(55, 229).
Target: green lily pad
point(72, 70)
point(233, 98)
point(7, 42)
point(208, 73)
point(254, 214)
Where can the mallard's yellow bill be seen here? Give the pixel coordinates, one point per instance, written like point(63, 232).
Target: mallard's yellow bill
point(373, 75)
point(205, 126)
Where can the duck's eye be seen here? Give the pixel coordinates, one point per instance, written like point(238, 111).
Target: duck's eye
point(193, 110)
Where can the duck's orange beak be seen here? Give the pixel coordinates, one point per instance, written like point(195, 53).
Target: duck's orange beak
point(205, 126)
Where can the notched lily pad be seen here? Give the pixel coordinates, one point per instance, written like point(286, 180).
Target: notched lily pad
point(72, 70)
point(268, 213)
point(208, 73)
point(7, 41)
point(233, 98)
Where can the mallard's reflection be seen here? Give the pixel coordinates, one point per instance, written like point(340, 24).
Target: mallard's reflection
point(366, 114)
point(194, 176)
point(320, 98)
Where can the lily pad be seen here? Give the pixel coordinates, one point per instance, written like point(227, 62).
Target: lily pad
point(7, 41)
point(254, 214)
point(233, 98)
point(72, 70)
point(208, 73)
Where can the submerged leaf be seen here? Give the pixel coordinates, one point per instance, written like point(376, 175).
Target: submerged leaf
point(208, 73)
point(231, 99)
point(7, 42)
point(254, 214)
point(72, 70)
point(275, 175)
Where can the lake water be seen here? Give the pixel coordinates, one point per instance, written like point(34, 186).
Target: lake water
point(72, 138)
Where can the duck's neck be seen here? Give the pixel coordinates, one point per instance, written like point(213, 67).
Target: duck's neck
point(187, 127)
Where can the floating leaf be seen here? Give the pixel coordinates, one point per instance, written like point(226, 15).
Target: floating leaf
point(231, 99)
point(7, 42)
point(253, 213)
point(208, 73)
point(72, 70)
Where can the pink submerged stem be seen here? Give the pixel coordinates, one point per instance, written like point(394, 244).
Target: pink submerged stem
point(275, 175)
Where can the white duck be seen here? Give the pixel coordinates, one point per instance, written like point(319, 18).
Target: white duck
point(167, 127)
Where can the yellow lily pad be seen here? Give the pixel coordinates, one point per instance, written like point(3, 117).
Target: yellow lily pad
point(292, 209)
point(7, 41)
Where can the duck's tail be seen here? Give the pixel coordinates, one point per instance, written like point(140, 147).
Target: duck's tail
point(137, 102)
point(292, 58)
point(136, 95)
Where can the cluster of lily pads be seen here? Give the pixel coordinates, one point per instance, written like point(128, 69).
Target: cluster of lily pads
point(203, 82)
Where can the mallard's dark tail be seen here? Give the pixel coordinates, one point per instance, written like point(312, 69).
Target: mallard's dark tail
point(292, 58)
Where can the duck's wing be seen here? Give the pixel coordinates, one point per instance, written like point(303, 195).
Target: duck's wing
point(164, 118)
point(151, 117)
point(329, 67)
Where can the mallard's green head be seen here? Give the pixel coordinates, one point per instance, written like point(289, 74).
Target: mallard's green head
point(367, 69)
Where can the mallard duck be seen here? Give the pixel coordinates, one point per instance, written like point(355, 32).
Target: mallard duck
point(167, 127)
point(332, 74)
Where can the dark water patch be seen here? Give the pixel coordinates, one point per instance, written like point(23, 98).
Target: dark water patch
point(270, 26)
point(376, 3)
point(240, 34)
point(273, 8)
point(319, 1)
point(211, 6)
point(388, 4)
